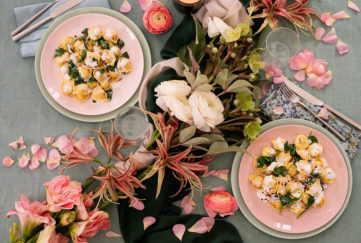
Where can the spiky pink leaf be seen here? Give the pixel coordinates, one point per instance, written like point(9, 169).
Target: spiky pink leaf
point(178, 230)
point(148, 221)
point(342, 47)
point(8, 161)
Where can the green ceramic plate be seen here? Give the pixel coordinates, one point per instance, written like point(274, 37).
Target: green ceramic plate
point(246, 212)
point(105, 11)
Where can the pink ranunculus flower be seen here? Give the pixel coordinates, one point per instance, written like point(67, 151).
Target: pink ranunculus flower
point(98, 220)
point(61, 193)
point(220, 202)
point(49, 235)
point(157, 19)
point(31, 214)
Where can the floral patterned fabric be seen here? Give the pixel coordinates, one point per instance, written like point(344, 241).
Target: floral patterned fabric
point(274, 97)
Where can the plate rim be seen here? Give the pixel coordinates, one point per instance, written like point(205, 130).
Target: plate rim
point(99, 10)
point(246, 212)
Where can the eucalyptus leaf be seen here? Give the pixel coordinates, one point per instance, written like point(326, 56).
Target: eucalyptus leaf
point(196, 141)
point(187, 133)
point(213, 137)
point(194, 63)
point(221, 78)
point(189, 76)
point(218, 147)
point(200, 79)
point(239, 85)
point(183, 56)
point(235, 148)
point(204, 87)
point(200, 36)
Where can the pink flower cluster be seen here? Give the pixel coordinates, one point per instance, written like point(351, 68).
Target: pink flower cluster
point(316, 69)
point(66, 202)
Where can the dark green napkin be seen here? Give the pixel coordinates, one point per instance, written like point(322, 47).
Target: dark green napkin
point(167, 215)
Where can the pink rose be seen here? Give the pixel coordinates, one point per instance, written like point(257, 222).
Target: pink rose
point(98, 220)
point(31, 214)
point(61, 193)
point(84, 206)
point(220, 202)
point(48, 234)
point(157, 19)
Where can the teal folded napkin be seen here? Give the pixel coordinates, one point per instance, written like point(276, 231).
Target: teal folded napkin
point(29, 43)
point(274, 97)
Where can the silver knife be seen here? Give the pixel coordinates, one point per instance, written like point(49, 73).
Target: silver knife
point(56, 12)
point(313, 100)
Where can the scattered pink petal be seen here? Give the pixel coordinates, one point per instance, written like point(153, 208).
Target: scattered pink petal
point(323, 113)
point(42, 154)
point(330, 37)
point(278, 80)
point(315, 81)
point(187, 204)
point(300, 75)
point(318, 67)
point(218, 188)
point(53, 160)
point(125, 7)
point(18, 144)
point(319, 32)
point(87, 146)
point(340, 15)
point(8, 161)
point(145, 4)
point(24, 160)
point(205, 224)
point(327, 77)
point(327, 19)
point(48, 140)
point(272, 71)
point(178, 230)
point(353, 6)
point(63, 144)
point(137, 204)
point(112, 234)
point(34, 163)
point(222, 174)
point(342, 47)
point(35, 148)
point(148, 221)
point(278, 110)
point(301, 60)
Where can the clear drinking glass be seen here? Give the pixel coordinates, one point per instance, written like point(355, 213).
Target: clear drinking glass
point(132, 124)
point(281, 44)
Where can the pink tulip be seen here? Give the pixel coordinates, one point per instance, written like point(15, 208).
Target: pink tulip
point(98, 220)
point(31, 214)
point(49, 235)
point(220, 202)
point(61, 193)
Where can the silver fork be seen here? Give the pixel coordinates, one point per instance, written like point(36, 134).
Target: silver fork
point(291, 96)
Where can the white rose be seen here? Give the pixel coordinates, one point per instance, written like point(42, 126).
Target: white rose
point(207, 110)
point(217, 26)
point(172, 97)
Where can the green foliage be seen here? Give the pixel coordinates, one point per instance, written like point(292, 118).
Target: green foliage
point(265, 160)
point(313, 139)
point(280, 171)
point(120, 43)
point(287, 200)
point(291, 148)
point(244, 101)
point(252, 129)
point(59, 52)
point(310, 202)
point(187, 133)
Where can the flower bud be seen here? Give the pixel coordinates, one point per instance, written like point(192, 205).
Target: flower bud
point(67, 218)
point(14, 233)
point(233, 55)
point(236, 102)
point(245, 65)
point(235, 45)
point(249, 40)
point(214, 50)
point(244, 58)
point(252, 77)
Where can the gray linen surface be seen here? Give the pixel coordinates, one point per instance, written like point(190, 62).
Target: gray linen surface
point(274, 98)
point(29, 43)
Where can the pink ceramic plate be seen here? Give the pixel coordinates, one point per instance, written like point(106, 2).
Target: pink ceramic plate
point(287, 222)
point(122, 90)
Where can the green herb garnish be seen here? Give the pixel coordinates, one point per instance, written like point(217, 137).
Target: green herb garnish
point(265, 160)
point(125, 55)
point(280, 171)
point(311, 179)
point(102, 71)
point(83, 55)
point(86, 43)
point(313, 139)
point(59, 52)
point(92, 79)
point(103, 43)
point(109, 93)
point(120, 43)
point(85, 31)
point(310, 202)
point(81, 38)
point(287, 200)
point(95, 60)
point(291, 148)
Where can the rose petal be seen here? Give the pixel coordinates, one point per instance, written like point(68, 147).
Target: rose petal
point(353, 6)
point(18, 144)
point(301, 60)
point(35, 148)
point(203, 225)
point(145, 4)
point(218, 188)
point(323, 113)
point(264, 89)
point(34, 163)
point(327, 19)
point(340, 15)
point(41, 154)
point(327, 77)
point(342, 47)
point(112, 234)
point(178, 230)
point(8, 161)
point(63, 144)
point(53, 160)
point(300, 75)
point(319, 32)
point(278, 80)
point(330, 37)
point(222, 174)
point(148, 221)
point(24, 160)
point(187, 204)
point(125, 7)
point(137, 204)
point(278, 110)
point(48, 140)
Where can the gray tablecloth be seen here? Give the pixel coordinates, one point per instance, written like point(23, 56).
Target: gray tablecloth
point(24, 111)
